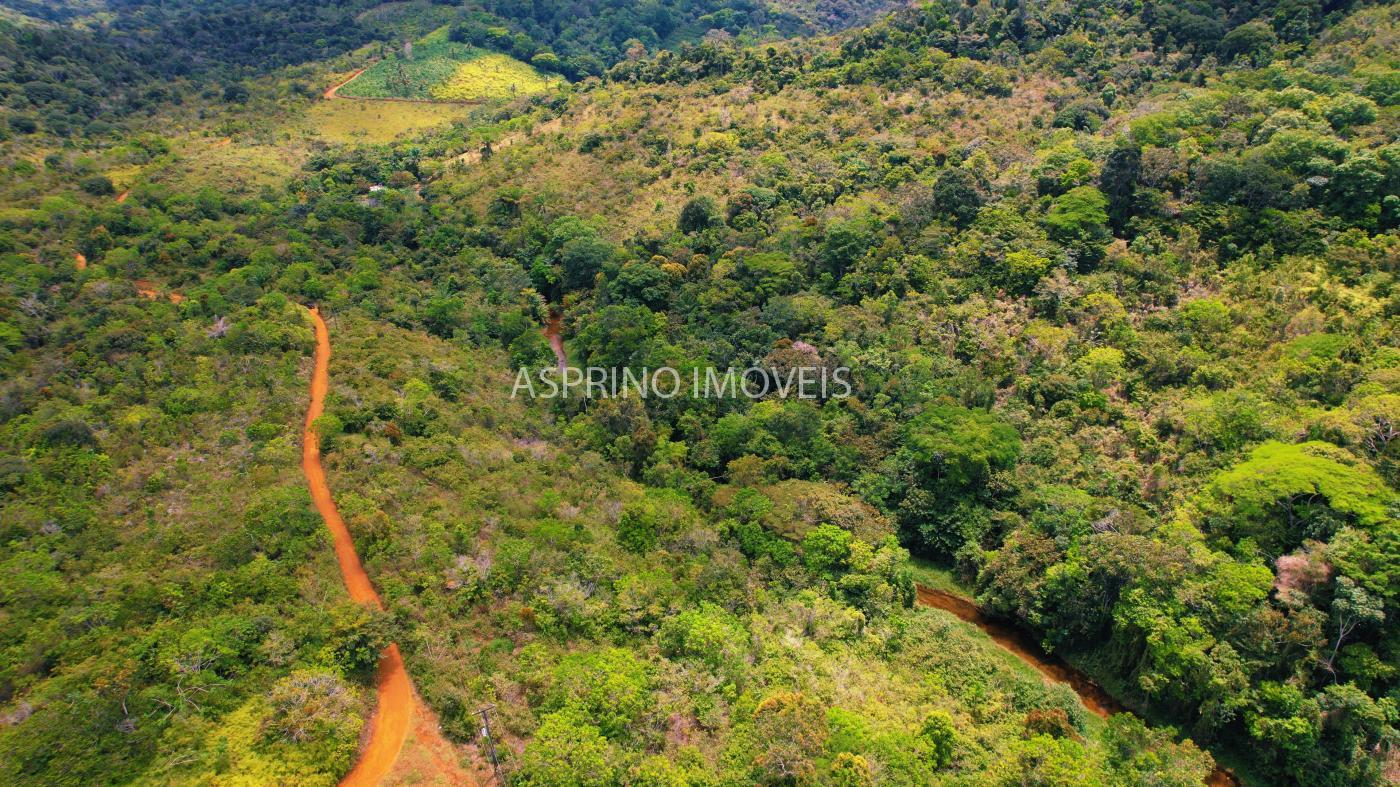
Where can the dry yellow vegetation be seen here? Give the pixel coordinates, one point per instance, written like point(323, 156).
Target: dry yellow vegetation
point(492, 76)
point(355, 120)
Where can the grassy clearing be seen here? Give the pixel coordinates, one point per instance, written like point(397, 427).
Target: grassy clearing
point(493, 76)
point(932, 575)
point(445, 70)
point(373, 121)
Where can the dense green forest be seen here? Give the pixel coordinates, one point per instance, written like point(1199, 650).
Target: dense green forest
point(1115, 284)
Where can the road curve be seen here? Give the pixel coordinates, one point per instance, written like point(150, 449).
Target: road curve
point(397, 704)
point(1024, 647)
point(333, 89)
point(389, 726)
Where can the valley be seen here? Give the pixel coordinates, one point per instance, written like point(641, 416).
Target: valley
point(1113, 499)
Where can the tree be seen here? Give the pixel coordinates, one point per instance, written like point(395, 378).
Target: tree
point(98, 185)
point(1283, 494)
point(1118, 181)
point(610, 688)
point(1138, 754)
point(958, 447)
point(1252, 41)
point(698, 214)
point(710, 634)
point(940, 736)
point(790, 731)
point(70, 432)
point(566, 751)
point(956, 197)
point(1352, 606)
point(851, 770)
point(642, 522)
point(826, 549)
point(443, 314)
point(582, 258)
point(317, 710)
point(1079, 218)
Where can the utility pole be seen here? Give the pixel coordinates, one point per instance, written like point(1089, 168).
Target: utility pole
point(491, 743)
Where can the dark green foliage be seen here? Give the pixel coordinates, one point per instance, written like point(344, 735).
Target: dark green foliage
point(698, 214)
point(70, 433)
point(956, 196)
point(1172, 457)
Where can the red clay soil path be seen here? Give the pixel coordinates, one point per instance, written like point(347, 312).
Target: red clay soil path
point(331, 91)
point(1028, 650)
point(122, 196)
point(549, 127)
point(80, 259)
point(397, 703)
point(554, 333)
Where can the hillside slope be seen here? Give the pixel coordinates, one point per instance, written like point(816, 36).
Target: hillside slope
point(1114, 284)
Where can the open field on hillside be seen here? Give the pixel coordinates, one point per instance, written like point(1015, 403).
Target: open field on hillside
point(372, 121)
point(442, 70)
point(492, 76)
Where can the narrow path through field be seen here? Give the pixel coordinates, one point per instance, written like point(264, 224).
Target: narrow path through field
point(548, 127)
point(333, 89)
point(397, 704)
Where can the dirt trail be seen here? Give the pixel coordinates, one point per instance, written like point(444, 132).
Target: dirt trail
point(122, 196)
point(333, 89)
point(1028, 650)
point(1025, 648)
point(397, 704)
point(554, 333)
point(80, 259)
point(549, 127)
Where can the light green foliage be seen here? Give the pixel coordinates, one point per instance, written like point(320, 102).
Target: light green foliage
point(1281, 493)
point(1025, 268)
point(566, 751)
point(940, 736)
point(1079, 219)
point(709, 634)
point(659, 512)
point(959, 446)
point(827, 549)
point(1101, 366)
point(610, 687)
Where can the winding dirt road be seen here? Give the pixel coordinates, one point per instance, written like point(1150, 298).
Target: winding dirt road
point(333, 89)
point(1028, 650)
point(397, 703)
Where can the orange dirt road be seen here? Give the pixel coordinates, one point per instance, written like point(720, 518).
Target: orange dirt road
point(331, 91)
point(1028, 650)
point(397, 702)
